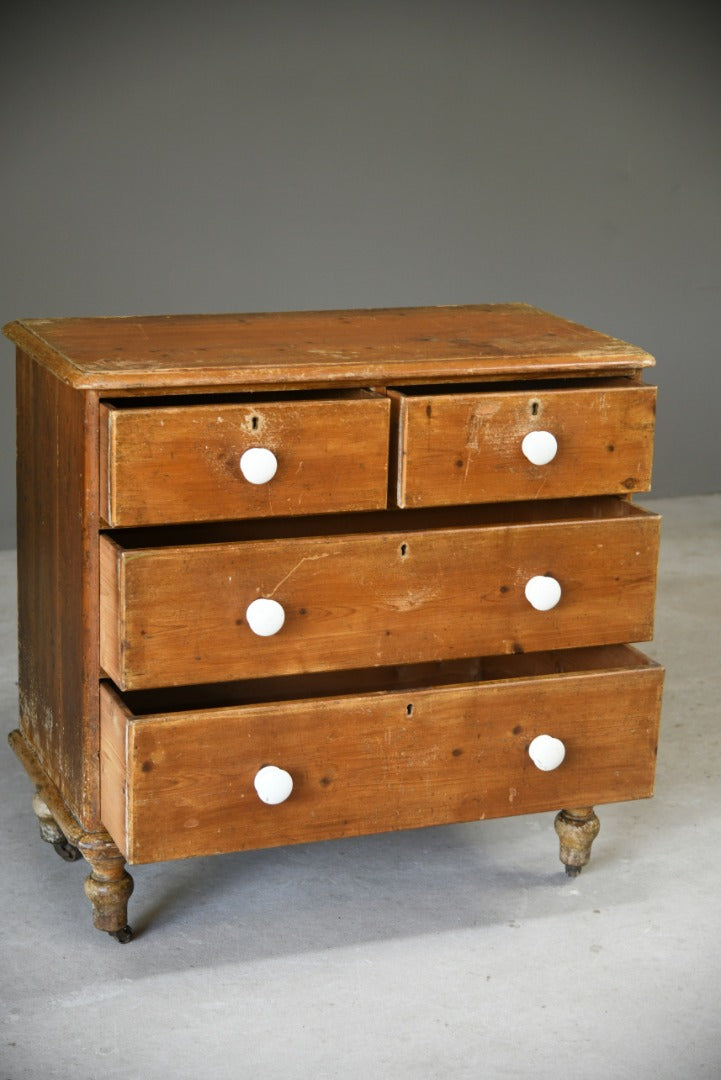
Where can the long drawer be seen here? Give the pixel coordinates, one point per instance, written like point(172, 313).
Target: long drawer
point(491, 446)
point(176, 784)
point(182, 614)
point(162, 464)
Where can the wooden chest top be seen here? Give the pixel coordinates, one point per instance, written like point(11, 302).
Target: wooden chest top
point(351, 348)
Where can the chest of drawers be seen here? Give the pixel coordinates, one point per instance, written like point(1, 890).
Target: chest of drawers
point(289, 577)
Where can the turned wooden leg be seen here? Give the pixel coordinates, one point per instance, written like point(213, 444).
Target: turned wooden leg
point(577, 829)
point(108, 888)
point(51, 832)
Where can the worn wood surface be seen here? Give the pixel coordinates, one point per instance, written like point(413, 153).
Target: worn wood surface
point(311, 348)
point(177, 615)
point(57, 549)
point(577, 828)
point(182, 784)
point(108, 886)
point(466, 448)
point(174, 464)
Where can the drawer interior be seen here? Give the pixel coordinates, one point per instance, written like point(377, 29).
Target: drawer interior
point(174, 401)
point(511, 386)
point(144, 703)
point(592, 508)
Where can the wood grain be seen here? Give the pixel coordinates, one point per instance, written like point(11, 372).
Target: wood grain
point(376, 762)
point(178, 464)
point(372, 599)
point(466, 448)
point(117, 797)
point(411, 673)
point(57, 582)
point(358, 348)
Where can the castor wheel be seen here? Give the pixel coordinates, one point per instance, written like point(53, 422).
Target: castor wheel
point(573, 871)
point(66, 850)
point(123, 936)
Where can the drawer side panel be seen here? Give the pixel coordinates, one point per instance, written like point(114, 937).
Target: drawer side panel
point(115, 796)
point(112, 608)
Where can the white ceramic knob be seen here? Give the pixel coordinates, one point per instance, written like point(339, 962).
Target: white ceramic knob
point(258, 465)
point(273, 785)
point(265, 617)
point(546, 753)
point(543, 592)
point(539, 447)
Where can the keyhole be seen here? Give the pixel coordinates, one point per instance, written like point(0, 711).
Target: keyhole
point(404, 549)
point(409, 710)
point(534, 408)
point(254, 423)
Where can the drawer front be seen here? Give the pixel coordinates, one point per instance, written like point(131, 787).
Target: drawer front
point(174, 616)
point(466, 448)
point(181, 464)
point(175, 785)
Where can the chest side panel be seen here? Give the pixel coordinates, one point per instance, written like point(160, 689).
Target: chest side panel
point(57, 582)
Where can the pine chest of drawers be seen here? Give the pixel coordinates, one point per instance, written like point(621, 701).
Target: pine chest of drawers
point(288, 577)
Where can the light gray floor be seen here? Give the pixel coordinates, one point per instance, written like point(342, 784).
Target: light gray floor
point(452, 952)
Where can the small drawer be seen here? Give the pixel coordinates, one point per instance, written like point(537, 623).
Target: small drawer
point(162, 464)
point(399, 587)
point(472, 447)
point(176, 784)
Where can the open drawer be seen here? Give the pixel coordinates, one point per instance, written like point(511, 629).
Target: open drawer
point(469, 445)
point(242, 456)
point(398, 587)
point(385, 750)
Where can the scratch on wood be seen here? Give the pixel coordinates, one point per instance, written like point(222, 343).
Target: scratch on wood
point(539, 489)
point(411, 599)
point(306, 558)
point(482, 413)
point(140, 327)
point(472, 430)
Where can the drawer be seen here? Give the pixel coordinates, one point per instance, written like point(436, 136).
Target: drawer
point(182, 463)
point(456, 447)
point(399, 587)
point(176, 784)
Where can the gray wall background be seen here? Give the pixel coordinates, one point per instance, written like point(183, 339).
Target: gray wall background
point(168, 157)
